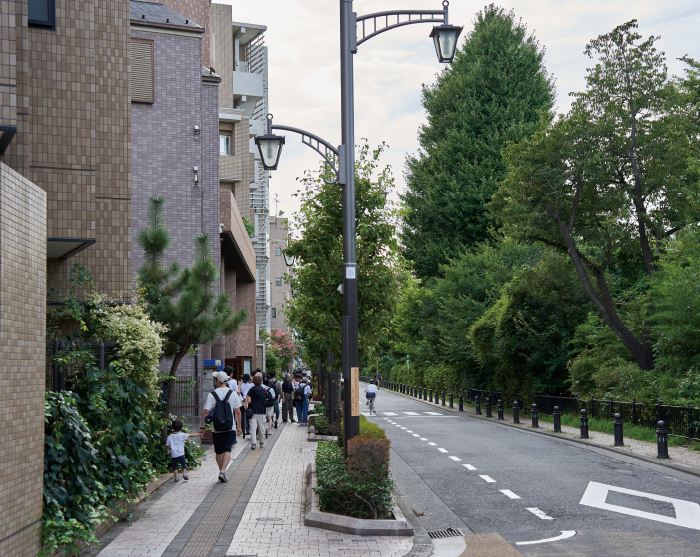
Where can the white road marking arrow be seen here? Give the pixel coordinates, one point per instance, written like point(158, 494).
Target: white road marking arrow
point(687, 512)
point(564, 534)
point(537, 512)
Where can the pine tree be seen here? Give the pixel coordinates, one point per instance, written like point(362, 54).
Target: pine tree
point(490, 95)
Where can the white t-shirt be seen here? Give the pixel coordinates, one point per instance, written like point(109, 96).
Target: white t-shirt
point(233, 385)
point(233, 400)
point(245, 387)
point(371, 389)
point(176, 442)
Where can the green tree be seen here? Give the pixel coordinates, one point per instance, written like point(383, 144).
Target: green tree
point(491, 94)
point(610, 177)
point(316, 308)
point(184, 300)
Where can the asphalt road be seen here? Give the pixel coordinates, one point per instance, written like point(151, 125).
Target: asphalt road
point(483, 477)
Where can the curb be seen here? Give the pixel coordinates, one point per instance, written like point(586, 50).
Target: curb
point(660, 462)
point(422, 544)
point(313, 516)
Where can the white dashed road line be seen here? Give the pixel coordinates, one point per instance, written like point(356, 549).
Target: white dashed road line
point(468, 466)
point(456, 458)
point(432, 444)
point(423, 439)
point(538, 513)
point(408, 431)
point(488, 479)
point(442, 450)
point(416, 435)
point(508, 493)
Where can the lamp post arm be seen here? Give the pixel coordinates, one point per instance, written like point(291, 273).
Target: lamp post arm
point(374, 24)
point(329, 153)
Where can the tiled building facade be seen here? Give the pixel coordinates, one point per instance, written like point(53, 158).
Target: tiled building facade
point(22, 349)
point(281, 291)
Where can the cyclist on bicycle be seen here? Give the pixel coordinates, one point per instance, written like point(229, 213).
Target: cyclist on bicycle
point(371, 394)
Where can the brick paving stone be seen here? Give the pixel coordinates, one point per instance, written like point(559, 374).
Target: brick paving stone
point(152, 533)
point(279, 493)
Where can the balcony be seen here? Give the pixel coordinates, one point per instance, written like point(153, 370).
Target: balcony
point(247, 91)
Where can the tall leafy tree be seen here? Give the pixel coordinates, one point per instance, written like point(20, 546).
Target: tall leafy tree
point(491, 94)
point(613, 176)
point(184, 300)
point(316, 308)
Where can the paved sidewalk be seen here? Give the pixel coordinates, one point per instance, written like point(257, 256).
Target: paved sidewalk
point(186, 518)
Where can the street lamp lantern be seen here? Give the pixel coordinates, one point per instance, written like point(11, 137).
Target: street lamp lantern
point(445, 38)
point(270, 147)
point(288, 259)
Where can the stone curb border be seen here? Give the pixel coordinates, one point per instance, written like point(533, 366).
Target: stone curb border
point(313, 517)
point(660, 462)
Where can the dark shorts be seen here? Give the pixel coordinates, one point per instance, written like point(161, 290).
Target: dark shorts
point(179, 460)
point(223, 441)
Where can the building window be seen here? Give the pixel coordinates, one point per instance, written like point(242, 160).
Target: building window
point(278, 281)
point(142, 84)
point(274, 313)
point(42, 13)
point(224, 144)
point(278, 251)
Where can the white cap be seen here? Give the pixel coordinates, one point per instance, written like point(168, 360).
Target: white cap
point(221, 376)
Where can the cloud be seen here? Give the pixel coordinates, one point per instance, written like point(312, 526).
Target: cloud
point(304, 48)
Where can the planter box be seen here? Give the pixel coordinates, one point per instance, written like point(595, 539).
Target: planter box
point(398, 526)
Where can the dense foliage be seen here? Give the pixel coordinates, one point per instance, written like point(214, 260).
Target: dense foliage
point(280, 350)
point(491, 94)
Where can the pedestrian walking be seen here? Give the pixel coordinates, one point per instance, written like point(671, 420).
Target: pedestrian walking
point(270, 396)
point(288, 399)
point(301, 400)
point(245, 387)
point(225, 420)
point(277, 386)
point(232, 383)
point(257, 399)
point(371, 395)
point(175, 447)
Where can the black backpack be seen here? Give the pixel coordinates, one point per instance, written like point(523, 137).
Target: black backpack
point(299, 395)
point(269, 398)
point(223, 415)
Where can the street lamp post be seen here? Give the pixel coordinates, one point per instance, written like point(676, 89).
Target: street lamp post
point(445, 39)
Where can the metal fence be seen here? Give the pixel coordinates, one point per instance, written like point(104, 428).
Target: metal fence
point(62, 370)
point(186, 402)
point(681, 421)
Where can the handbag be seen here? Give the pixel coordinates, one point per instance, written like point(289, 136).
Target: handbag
point(249, 413)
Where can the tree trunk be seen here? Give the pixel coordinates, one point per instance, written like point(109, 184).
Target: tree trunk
point(171, 389)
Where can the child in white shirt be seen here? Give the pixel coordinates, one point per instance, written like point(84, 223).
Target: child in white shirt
point(175, 446)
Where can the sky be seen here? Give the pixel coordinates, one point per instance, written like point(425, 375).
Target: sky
point(304, 69)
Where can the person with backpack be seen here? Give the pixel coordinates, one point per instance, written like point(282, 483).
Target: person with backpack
point(277, 386)
point(288, 400)
point(245, 387)
point(270, 397)
point(225, 420)
point(371, 395)
point(301, 400)
point(257, 402)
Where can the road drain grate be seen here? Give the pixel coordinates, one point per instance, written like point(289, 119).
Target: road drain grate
point(449, 533)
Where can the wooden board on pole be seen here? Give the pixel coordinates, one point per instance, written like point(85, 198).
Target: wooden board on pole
point(355, 389)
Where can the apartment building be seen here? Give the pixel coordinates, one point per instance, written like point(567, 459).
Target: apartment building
point(281, 291)
point(241, 60)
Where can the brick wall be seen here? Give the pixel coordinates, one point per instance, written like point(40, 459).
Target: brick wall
point(197, 11)
point(22, 353)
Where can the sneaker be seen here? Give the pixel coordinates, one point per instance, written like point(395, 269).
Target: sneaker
point(176, 479)
point(222, 477)
point(265, 438)
point(252, 447)
point(275, 425)
point(262, 444)
point(185, 477)
point(294, 421)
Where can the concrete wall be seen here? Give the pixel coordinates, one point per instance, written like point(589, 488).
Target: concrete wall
point(22, 357)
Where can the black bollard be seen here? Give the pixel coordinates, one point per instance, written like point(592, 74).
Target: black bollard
point(488, 408)
point(584, 424)
point(461, 404)
point(430, 395)
point(535, 416)
point(662, 440)
point(425, 393)
point(499, 406)
point(451, 401)
point(617, 428)
point(477, 403)
point(557, 420)
point(443, 398)
point(516, 413)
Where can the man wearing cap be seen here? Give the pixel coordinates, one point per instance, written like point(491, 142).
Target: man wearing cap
point(223, 440)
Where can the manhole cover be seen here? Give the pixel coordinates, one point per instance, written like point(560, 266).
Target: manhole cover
point(449, 533)
point(273, 519)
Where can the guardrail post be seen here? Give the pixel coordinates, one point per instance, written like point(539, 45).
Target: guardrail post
point(662, 439)
point(690, 424)
point(557, 419)
point(617, 427)
point(451, 401)
point(516, 413)
point(488, 407)
point(443, 398)
point(499, 408)
point(584, 424)
point(477, 403)
point(430, 395)
point(461, 403)
point(535, 416)
point(425, 393)
point(612, 412)
point(634, 411)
